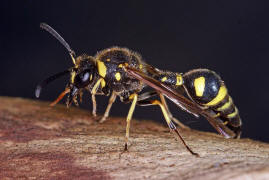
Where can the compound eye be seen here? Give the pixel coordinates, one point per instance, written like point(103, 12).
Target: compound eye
point(83, 79)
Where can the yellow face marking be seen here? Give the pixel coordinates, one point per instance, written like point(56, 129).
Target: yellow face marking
point(101, 68)
point(226, 105)
point(220, 96)
point(199, 85)
point(140, 66)
point(225, 123)
point(164, 79)
point(91, 77)
point(117, 76)
point(233, 114)
point(179, 80)
point(73, 74)
point(120, 65)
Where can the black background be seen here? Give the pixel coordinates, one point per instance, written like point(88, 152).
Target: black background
point(230, 38)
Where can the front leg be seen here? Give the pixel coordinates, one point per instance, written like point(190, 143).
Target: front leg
point(110, 103)
point(93, 92)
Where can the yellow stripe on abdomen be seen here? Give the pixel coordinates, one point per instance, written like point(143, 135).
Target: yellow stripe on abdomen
point(220, 96)
point(233, 114)
point(227, 105)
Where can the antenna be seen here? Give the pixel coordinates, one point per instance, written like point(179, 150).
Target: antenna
point(44, 83)
point(59, 38)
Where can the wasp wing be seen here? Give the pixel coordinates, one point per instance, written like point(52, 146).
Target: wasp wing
point(181, 101)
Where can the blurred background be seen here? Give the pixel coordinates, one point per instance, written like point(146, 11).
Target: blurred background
point(230, 38)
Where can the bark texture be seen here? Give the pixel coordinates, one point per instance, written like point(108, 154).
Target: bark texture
point(40, 142)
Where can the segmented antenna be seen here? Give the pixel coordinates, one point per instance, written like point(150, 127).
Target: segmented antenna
point(59, 38)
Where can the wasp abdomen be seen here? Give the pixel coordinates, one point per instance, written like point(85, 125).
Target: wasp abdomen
point(207, 89)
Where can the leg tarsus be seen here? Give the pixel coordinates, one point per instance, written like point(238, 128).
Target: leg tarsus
point(182, 140)
point(126, 147)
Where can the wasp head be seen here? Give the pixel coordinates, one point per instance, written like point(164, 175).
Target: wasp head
point(82, 77)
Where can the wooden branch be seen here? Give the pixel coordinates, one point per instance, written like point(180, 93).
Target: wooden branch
point(40, 142)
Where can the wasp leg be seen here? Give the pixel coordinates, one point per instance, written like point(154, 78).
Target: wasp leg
point(93, 92)
point(94, 105)
point(60, 97)
point(110, 102)
point(128, 119)
point(180, 124)
point(80, 96)
point(168, 121)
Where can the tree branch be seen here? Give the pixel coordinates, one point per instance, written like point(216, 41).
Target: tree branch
point(37, 141)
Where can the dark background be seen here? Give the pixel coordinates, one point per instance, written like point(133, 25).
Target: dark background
point(230, 38)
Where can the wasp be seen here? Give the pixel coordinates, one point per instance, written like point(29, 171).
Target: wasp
point(120, 72)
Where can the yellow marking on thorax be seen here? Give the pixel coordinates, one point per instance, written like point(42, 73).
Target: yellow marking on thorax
point(120, 65)
point(117, 76)
point(164, 79)
point(226, 105)
point(199, 85)
point(73, 74)
point(108, 60)
point(233, 114)
point(101, 68)
point(220, 96)
point(91, 77)
point(179, 80)
point(140, 66)
point(103, 83)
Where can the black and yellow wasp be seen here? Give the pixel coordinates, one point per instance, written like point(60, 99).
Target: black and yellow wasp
point(121, 72)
